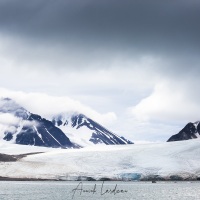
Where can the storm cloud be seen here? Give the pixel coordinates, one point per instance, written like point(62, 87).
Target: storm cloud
point(105, 29)
point(114, 56)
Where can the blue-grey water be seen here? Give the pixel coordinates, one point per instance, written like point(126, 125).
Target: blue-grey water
point(51, 190)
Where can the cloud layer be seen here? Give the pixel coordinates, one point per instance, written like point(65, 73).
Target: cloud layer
point(48, 106)
point(79, 34)
point(135, 61)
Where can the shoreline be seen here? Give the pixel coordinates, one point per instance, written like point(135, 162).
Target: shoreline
point(61, 180)
point(24, 179)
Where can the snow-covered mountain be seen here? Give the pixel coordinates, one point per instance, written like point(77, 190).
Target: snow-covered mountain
point(190, 131)
point(85, 131)
point(17, 125)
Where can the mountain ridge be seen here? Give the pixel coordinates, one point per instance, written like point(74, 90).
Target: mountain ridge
point(98, 133)
point(20, 126)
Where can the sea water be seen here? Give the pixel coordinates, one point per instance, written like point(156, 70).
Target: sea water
point(57, 190)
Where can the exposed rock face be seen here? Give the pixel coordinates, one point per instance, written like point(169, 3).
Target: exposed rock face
point(97, 134)
point(190, 131)
point(29, 129)
point(23, 127)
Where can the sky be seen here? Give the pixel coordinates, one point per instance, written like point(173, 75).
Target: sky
point(132, 65)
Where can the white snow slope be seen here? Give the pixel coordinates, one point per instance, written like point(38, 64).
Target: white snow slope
point(119, 162)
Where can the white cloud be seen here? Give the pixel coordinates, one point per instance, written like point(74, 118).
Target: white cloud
point(8, 119)
point(168, 102)
point(48, 106)
point(11, 129)
point(8, 123)
point(29, 123)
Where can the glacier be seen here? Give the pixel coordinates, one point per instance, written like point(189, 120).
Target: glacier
point(156, 161)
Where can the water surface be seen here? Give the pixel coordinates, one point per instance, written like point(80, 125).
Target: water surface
point(52, 190)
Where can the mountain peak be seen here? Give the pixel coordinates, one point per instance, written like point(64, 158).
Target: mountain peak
point(190, 131)
point(8, 105)
point(29, 128)
point(85, 131)
point(7, 99)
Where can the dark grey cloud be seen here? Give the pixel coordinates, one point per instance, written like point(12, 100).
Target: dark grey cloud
point(141, 25)
point(77, 32)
